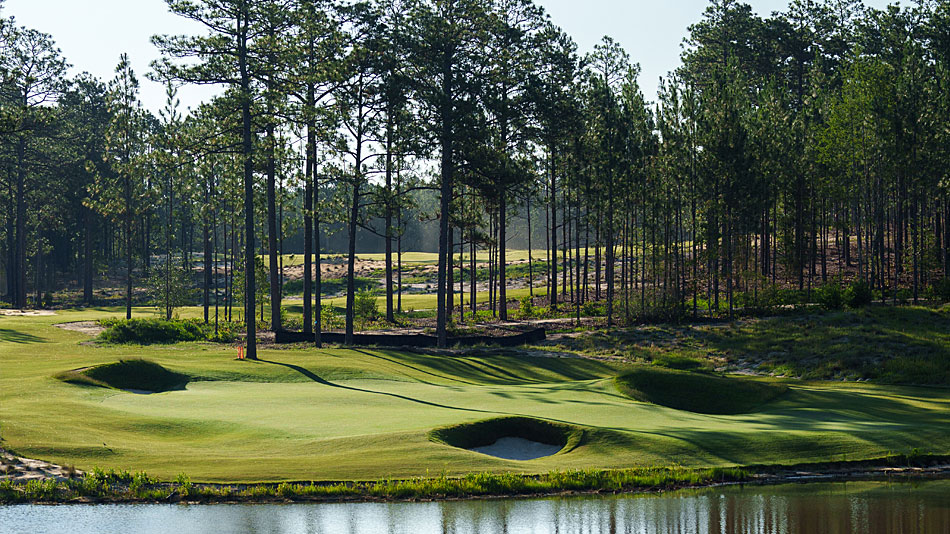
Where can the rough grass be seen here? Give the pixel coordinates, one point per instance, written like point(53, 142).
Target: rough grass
point(890, 345)
point(698, 392)
point(99, 486)
point(140, 375)
point(482, 433)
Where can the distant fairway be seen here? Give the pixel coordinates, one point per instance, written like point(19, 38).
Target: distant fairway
point(304, 414)
point(427, 301)
point(410, 259)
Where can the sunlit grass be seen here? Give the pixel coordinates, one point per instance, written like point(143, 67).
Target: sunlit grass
point(354, 414)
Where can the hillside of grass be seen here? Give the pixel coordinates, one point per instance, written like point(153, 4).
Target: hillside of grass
point(889, 345)
point(698, 392)
point(132, 375)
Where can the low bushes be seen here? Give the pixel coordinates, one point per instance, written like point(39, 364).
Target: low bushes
point(147, 331)
point(365, 308)
point(99, 486)
point(835, 296)
point(858, 294)
point(158, 331)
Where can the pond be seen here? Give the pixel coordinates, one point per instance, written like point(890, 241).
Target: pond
point(837, 508)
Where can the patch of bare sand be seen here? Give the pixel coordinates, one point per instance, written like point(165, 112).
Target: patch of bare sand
point(27, 313)
point(90, 328)
point(335, 269)
point(20, 469)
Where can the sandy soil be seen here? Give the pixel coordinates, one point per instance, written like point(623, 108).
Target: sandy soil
point(24, 469)
point(518, 449)
point(336, 269)
point(27, 313)
point(90, 328)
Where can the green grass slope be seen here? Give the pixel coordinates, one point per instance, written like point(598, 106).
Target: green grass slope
point(305, 414)
point(698, 392)
point(139, 375)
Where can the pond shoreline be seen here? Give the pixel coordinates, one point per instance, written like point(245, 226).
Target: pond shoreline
point(139, 489)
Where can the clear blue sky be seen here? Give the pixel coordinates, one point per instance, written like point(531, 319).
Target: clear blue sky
point(92, 33)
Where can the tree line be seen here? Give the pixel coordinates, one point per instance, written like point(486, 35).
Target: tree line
point(785, 152)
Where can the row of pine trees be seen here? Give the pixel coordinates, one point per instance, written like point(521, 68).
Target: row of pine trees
point(786, 151)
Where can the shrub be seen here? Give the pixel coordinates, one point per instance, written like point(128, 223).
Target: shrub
point(147, 331)
point(526, 307)
point(365, 308)
point(593, 309)
point(329, 318)
point(941, 289)
point(858, 294)
point(227, 332)
point(290, 322)
point(830, 295)
point(184, 485)
point(904, 295)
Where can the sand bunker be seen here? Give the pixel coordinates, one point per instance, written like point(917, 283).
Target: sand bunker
point(511, 438)
point(518, 449)
point(91, 328)
point(27, 313)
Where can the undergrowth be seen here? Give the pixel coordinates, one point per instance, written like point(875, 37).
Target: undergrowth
point(112, 486)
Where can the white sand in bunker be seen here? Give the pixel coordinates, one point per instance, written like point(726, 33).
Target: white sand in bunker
point(518, 449)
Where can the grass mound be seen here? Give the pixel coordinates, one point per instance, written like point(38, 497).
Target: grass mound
point(140, 375)
point(698, 392)
point(482, 433)
point(149, 331)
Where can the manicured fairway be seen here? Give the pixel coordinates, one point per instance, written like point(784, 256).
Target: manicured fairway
point(355, 414)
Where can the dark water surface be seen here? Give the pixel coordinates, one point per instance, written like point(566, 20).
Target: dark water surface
point(839, 508)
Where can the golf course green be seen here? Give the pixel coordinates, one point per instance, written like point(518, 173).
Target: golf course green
point(355, 414)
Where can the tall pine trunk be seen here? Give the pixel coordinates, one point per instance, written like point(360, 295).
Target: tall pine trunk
point(247, 146)
point(308, 221)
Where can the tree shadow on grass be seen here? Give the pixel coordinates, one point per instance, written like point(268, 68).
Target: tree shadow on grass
point(506, 369)
point(414, 368)
point(15, 336)
point(322, 381)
